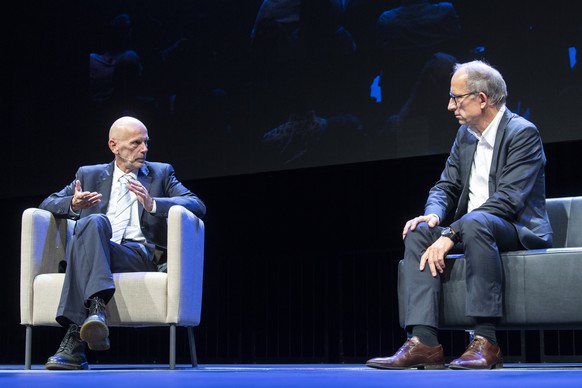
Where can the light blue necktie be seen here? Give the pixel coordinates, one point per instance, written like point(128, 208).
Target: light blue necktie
point(123, 209)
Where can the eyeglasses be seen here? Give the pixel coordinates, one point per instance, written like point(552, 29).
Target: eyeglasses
point(460, 96)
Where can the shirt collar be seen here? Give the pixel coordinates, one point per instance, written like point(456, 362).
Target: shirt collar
point(117, 173)
point(489, 134)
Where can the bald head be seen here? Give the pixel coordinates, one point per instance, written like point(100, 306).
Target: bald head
point(128, 140)
point(124, 125)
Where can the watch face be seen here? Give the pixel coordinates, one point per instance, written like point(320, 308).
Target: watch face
point(448, 232)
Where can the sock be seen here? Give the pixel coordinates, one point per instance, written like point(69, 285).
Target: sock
point(486, 328)
point(428, 335)
point(104, 295)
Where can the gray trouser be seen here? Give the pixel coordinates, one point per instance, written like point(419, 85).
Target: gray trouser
point(91, 260)
point(483, 237)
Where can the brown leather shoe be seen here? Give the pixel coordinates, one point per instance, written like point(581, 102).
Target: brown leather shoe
point(413, 354)
point(480, 354)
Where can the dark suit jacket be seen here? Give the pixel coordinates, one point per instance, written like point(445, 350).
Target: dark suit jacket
point(157, 178)
point(516, 181)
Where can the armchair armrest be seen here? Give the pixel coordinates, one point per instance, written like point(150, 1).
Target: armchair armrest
point(185, 266)
point(43, 242)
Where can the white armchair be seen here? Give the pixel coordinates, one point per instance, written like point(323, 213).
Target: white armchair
point(141, 298)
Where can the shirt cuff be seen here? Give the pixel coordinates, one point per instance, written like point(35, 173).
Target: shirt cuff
point(437, 217)
point(72, 212)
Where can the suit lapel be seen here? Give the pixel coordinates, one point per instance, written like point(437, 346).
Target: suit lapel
point(499, 138)
point(144, 177)
point(104, 187)
point(467, 153)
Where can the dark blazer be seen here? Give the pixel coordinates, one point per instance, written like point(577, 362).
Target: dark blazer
point(157, 178)
point(516, 181)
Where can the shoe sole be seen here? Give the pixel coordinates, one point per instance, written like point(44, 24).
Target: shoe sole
point(95, 334)
point(418, 366)
point(498, 365)
point(66, 366)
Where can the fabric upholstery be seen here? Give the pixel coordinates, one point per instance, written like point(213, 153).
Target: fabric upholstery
point(141, 298)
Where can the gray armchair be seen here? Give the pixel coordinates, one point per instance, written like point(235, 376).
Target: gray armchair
point(542, 287)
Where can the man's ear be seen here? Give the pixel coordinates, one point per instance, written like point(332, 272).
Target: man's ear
point(484, 99)
point(112, 146)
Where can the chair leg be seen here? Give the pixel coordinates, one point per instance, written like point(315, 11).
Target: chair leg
point(28, 347)
point(172, 346)
point(192, 343)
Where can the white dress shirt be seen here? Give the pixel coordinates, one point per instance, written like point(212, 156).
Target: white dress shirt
point(479, 178)
point(133, 230)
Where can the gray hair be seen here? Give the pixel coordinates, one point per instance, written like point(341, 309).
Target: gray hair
point(481, 77)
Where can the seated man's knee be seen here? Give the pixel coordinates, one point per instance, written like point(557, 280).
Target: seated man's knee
point(475, 223)
point(98, 221)
point(422, 232)
point(93, 218)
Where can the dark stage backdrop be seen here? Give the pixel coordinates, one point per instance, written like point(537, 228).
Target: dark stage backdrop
point(302, 240)
point(227, 87)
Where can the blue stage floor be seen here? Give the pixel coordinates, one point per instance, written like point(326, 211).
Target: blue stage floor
point(282, 376)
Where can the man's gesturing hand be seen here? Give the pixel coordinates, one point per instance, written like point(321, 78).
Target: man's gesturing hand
point(84, 199)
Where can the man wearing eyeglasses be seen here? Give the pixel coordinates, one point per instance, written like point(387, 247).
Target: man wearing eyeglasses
point(493, 190)
point(121, 211)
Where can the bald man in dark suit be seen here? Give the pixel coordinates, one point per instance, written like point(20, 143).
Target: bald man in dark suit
point(121, 211)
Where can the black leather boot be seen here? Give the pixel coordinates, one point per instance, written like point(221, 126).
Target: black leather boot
point(71, 353)
point(94, 330)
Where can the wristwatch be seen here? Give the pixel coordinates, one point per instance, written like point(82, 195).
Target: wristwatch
point(450, 233)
